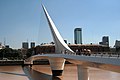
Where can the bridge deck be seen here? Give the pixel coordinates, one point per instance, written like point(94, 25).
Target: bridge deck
point(107, 63)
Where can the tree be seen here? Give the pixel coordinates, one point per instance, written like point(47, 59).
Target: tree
point(10, 53)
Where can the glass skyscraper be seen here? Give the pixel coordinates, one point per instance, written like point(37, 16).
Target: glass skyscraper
point(78, 35)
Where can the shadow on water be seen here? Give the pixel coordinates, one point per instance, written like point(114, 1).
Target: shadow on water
point(35, 75)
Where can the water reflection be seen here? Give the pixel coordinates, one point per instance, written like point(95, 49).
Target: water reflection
point(55, 78)
point(12, 73)
point(35, 75)
point(43, 72)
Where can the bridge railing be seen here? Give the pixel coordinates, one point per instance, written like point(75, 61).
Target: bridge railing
point(98, 54)
point(93, 54)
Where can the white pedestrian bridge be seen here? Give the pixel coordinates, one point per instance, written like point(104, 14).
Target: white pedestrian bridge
point(57, 60)
point(108, 63)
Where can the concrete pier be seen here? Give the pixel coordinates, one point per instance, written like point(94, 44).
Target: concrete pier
point(57, 65)
point(82, 72)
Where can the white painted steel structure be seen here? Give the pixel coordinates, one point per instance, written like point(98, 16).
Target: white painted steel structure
point(112, 64)
point(60, 45)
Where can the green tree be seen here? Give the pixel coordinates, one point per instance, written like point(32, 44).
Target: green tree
point(10, 53)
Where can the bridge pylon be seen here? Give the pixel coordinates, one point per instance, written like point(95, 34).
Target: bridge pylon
point(57, 64)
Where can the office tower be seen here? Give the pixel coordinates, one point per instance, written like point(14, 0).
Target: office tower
point(78, 35)
point(25, 45)
point(117, 44)
point(32, 44)
point(105, 41)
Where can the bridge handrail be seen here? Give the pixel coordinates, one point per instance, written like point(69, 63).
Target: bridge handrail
point(98, 54)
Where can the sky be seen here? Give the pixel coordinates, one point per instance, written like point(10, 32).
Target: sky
point(24, 20)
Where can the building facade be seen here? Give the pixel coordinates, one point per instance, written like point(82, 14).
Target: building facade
point(105, 41)
point(32, 44)
point(78, 36)
point(50, 49)
point(117, 45)
point(25, 45)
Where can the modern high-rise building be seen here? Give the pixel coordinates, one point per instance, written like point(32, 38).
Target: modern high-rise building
point(117, 45)
point(32, 44)
point(25, 45)
point(78, 36)
point(105, 41)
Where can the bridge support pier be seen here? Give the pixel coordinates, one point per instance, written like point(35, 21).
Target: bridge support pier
point(82, 72)
point(57, 65)
point(31, 63)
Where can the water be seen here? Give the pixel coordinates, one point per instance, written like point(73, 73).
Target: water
point(12, 73)
point(43, 72)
